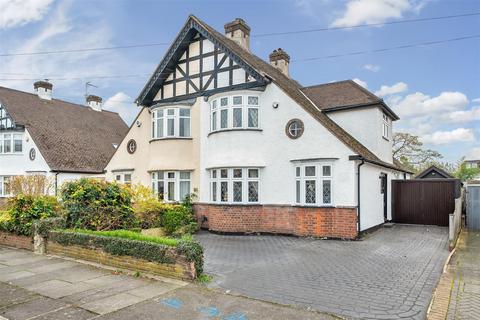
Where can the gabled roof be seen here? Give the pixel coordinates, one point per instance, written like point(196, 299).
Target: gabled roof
point(69, 136)
point(265, 70)
point(436, 170)
point(343, 95)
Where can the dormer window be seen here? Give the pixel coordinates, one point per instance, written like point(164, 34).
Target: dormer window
point(11, 143)
point(386, 127)
point(171, 123)
point(234, 112)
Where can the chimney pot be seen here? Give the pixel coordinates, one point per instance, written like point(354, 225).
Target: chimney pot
point(94, 102)
point(280, 60)
point(43, 89)
point(238, 31)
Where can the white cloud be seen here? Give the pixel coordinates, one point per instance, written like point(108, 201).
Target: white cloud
point(124, 105)
point(477, 100)
point(15, 13)
point(394, 89)
point(360, 82)
point(375, 11)
point(418, 104)
point(446, 137)
point(462, 116)
point(474, 154)
point(371, 67)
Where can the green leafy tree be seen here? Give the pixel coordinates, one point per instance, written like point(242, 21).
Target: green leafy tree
point(464, 173)
point(409, 150)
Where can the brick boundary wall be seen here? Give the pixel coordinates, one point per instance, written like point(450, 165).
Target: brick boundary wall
point(301, 221)
point(182, 269)
point(13, 240)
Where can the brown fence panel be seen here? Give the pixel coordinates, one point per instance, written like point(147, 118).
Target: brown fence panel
point(423, 201)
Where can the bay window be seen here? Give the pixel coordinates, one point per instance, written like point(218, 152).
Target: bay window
point(234, 185)
point(171, 123)
point(171, 186)
point(313, 184)
point(4, 187)
point(234, 112)
point(11, 142)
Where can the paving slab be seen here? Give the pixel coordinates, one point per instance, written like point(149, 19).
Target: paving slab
point(10, 295)
point(112, 303)
point(58, 288)
point(12, 275)
point(32, 308)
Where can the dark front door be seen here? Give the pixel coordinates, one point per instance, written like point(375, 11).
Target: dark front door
point(384, 191)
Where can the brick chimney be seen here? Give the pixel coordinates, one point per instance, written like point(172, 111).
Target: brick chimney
point(239, 31)
point(280, 60)
point(94, 102)
point(43, 89)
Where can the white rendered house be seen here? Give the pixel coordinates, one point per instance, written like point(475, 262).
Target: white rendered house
point(40, 135)
point(261, 152)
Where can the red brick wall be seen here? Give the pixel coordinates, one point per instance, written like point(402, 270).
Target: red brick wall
point(12, 240)
point(300, 221)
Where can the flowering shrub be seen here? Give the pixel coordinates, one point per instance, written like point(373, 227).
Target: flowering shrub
point(97, 205)
point(147, 208)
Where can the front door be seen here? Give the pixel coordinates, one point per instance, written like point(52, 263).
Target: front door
point(384, 191)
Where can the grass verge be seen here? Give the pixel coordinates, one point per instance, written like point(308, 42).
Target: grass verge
point(130, 235)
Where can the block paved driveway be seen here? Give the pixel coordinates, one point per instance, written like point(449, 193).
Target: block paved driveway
point(391, 274)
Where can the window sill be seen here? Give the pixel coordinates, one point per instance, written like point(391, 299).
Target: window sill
point(235, 129)
point(170, 138)
point(12, 154)
point(235, 204)
point(314, 205)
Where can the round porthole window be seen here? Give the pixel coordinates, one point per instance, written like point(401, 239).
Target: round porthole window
point(294, 128)
point(131, 146)
point(32, 154)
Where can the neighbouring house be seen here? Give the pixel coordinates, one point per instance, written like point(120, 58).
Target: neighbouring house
point(434, 172)
point(40, 135)
point(260, 152)
point(473, 164)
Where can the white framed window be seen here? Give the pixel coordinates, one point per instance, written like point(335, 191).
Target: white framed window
point(172, 186)
point(4, 186)
point(385, 127)
point(234, 112)
point(313, 184)
point(171, 123)
point(123, 177)
point(11, 142)
point(234, 185)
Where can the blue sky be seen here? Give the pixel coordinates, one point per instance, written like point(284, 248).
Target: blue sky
point(435, 89)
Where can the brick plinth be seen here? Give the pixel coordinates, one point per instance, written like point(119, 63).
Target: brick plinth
point(182, 269)
point(13, 240)
point(300, 221)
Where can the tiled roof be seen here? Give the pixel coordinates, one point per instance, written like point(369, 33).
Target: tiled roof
point(70, 137)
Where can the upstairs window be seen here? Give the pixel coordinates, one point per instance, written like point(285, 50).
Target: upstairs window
point(386, 127)
point(237, 185)
point(171, 123)
point(313, 184)
point(234, 112)
point(171, 186)
point(11, 143)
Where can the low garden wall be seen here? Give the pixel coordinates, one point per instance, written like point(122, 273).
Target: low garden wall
point(17, 241)
point(181, 262)
point(295, 220)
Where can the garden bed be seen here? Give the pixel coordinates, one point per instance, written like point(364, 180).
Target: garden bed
point(182, 259)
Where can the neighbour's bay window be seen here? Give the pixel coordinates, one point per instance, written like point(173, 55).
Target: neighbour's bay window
point(4, 186)
point(313, 184)
point(11, 143)
point(171, 186)
point(234, 112)
point(171, 123)
point(234, 185)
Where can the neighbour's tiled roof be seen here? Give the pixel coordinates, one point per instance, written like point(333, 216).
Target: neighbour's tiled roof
point(69, 136)
point(295, 91)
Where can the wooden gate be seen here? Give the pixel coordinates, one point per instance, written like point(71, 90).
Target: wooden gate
point(426, 201)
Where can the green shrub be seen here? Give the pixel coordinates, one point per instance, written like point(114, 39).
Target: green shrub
point(147, 208)
point(24, 210)
point(97, 205)
point(178, 220)
point(193, 251)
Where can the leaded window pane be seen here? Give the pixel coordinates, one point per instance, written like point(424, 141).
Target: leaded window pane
point(237, 191)
point(224, 191)
point(237, 100)
point(310, 191)
point(224, 173)
point(253, 173)
point(224, 118)
point(237, 173)
point(253, 191)
point(253, 101)
point(237, 117)
point(223, 102)
point(184, 112)
point(310, 171)
point(327, 191)
point(171, 175)
point(297, 187)
point(252, 118)
point(170, 112)
point(214, 174)
point(214, 191)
